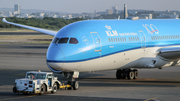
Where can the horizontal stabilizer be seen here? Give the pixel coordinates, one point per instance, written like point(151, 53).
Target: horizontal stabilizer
point(49, 32)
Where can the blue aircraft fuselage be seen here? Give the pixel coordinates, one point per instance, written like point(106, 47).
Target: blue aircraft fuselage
point(94, 39)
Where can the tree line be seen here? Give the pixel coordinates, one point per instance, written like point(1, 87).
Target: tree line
point(46, 23)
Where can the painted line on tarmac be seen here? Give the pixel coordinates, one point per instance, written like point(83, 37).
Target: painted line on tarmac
point(17, 98)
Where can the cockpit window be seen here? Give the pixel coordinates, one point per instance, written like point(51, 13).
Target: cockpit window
point(73, 41)
point(55, 40)
point(63, 40)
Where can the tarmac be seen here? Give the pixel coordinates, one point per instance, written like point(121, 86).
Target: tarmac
point(152, 84)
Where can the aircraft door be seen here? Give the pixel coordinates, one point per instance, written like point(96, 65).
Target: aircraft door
point(96, 41)
point(143, 39)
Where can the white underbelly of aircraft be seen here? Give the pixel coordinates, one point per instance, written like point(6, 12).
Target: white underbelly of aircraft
point(139, 58)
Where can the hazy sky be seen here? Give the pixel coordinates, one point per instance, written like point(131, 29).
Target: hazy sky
point(79, 6)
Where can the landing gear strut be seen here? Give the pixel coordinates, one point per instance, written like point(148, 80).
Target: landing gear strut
point(127, 73)
point(71, 76)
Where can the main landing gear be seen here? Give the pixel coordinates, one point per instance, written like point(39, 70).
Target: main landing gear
point(127, 73)
point(71, 76)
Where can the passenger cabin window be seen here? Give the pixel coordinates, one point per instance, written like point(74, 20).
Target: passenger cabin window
point(55, 40)
point(73, 41)
point(63, 40)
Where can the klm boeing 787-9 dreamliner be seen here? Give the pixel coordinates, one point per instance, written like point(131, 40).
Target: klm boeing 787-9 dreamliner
point(122, 45)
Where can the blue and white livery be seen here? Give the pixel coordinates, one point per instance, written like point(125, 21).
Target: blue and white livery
point(98, 45)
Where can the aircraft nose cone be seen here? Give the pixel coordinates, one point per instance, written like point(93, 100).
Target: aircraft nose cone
point(55, 55)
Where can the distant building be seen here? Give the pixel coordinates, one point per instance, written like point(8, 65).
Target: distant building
point(8, 14)
point(32, 16)
point(168, 15)
point(1, 15)
point(63, 16)
point(94, 13)
point(132, 12)
point(125, 11)
point(115, 10)
point(167, 11)
point(41, 15)
point(16, 9)
point(54, 16)
point(109, 11)
point(145, 16)
point(69, 16)
point(24, 15)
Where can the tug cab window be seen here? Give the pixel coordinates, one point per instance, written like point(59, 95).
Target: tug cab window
point(63, 40)
point(73, 41)
point(41, 76)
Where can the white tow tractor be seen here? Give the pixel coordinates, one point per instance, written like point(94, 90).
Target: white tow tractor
point(38, 82)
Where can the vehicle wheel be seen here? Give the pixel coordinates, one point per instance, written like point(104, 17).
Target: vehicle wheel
point(130, 75)
point(75, 85)
point(123, 74)
point(42, 90)
point(69, 83)
point(54, 90)
point(118, 74)
point(136, 74)
point(14, 89)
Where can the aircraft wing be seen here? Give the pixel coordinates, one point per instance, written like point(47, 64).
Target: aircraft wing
point(49, 32)
point(169, 53)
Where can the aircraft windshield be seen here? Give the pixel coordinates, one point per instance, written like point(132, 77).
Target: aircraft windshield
point(63, 40)
point(73, 41)
point(55, 40)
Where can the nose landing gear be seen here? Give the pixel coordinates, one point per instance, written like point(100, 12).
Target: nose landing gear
point(74, 85)
point(71, 76)
point(127, 73)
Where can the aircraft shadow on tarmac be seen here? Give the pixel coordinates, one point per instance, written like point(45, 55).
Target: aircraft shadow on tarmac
point(92, 80)
point(126, 83)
